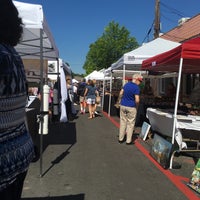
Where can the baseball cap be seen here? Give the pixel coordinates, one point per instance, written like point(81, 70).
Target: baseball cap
point(138, 77)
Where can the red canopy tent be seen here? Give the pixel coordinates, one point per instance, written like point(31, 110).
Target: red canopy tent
point(169, 61)
point(182, 59)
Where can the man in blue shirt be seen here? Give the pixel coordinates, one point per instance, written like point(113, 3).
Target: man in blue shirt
point(128, 108)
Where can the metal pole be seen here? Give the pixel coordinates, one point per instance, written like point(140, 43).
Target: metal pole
point(124, 74)
point(103, 92)
point(110, 96)
point(177, 98)
point(42, 99)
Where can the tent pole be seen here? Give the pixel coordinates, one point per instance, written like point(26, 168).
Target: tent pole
point(103, 92)
point(58, 68)
point(110, 96)
point(124, 73)
point(42, 99)
point(177, 98)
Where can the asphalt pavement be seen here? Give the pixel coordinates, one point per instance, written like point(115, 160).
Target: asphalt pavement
point(82, 160)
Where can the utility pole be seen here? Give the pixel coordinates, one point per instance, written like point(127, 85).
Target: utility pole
point(157, 20)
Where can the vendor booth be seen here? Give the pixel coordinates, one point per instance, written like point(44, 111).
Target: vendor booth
point(57, 73)
point(182, 59)
point(37, 43)
point(131, 62)
point(65, 71)
point(97, 75)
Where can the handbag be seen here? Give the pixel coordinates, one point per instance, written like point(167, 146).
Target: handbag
point(71, 95)
point(98, 99)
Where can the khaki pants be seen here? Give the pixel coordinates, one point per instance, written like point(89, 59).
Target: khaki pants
point(127, 123)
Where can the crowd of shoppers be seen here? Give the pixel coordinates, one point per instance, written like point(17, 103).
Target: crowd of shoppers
point(16, 146)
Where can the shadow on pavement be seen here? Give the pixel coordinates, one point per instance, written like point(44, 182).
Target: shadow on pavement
point(68, 197)
point(58, 159)
point(59, 133)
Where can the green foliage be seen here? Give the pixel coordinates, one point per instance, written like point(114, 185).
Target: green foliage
point(77, 74)
point(114, 42)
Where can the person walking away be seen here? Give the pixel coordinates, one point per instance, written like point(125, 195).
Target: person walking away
point(80, 93)
point(90, 95)
point(75, 87)
point(70, 110)
point(16, 145)
point(130, 98)
point(97, 98)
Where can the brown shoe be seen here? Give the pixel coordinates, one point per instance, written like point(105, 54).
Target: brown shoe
point(130, 143)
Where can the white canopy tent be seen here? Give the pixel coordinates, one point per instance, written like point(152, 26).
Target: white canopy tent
point(131, 62)
point(37, 43)
point(37, 37)
point(97, 75)
point(133, 59)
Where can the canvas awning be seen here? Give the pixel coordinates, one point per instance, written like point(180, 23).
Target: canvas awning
point(182, 59)
point(37, 37)
point(97, 75)
point(133, 59)
point(169, 61)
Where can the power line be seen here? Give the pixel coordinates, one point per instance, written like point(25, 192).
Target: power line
point(169, 10)
point(156, 22)
point(167, 18)
point(148, 33)
point(173, 10)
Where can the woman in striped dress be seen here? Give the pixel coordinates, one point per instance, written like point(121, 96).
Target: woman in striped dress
point(16, 146)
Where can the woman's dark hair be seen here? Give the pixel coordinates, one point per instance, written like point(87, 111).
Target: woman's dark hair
point(10, 23)
point(90, 82)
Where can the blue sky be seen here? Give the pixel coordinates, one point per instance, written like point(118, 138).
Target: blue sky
point(75, 24)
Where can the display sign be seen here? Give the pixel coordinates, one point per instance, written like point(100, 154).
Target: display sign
point(194, 182)
point(161, 151)
point(144, 130)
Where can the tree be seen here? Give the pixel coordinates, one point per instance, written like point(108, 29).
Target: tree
point(114, 42)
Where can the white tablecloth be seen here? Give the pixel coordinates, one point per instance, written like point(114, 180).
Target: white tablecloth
point(189, 122)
